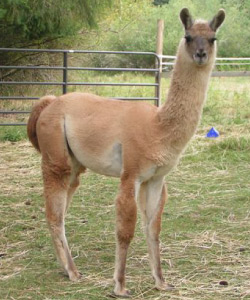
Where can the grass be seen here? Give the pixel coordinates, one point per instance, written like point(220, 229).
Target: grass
point(205, 245)
point(13, 134)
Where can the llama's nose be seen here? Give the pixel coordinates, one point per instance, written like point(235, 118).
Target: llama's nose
point(201, 53)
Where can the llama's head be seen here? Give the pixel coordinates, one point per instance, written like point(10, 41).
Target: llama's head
point(200, 37)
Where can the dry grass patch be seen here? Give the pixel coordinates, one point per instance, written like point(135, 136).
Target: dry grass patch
point(205, 237)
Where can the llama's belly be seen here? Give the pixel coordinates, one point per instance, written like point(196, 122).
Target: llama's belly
point(108, 163)
point(96, 149)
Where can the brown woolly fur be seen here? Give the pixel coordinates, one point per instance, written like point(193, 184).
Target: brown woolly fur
point(35, 114)
point(137, 142)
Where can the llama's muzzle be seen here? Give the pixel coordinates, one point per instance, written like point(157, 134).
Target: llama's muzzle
point(200, 57)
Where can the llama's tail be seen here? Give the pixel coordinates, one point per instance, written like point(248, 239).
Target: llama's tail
point(34, 116)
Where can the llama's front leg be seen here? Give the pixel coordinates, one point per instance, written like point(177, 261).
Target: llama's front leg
point(125, 225)
point(152, 199)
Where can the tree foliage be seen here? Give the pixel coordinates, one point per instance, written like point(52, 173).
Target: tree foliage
point(26, 20)
point(136, 30)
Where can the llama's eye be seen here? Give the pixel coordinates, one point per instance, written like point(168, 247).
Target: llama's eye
point(212, 40)
point(188, 38)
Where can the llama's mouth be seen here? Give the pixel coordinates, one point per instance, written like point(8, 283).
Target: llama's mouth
point(200, 61)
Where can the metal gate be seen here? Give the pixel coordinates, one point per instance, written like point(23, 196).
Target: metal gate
point(64, 68)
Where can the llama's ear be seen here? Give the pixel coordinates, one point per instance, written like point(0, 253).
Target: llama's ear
point(217, 20)
point(186, 18)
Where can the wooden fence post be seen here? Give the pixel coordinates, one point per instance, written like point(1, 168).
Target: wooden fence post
point(159, 52)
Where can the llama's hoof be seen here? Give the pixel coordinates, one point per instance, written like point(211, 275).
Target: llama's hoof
point(75, 276)
point(165, 287)
point(122, 294)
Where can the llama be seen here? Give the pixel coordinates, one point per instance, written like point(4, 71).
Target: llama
point(137, 142)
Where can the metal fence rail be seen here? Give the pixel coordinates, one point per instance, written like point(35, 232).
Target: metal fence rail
point(65, 68)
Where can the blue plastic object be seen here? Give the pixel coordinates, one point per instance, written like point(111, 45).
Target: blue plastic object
point(212, 133)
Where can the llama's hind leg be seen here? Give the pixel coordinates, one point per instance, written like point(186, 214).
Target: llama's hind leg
point(74, 182)
point(151, 201)
point(56, 190)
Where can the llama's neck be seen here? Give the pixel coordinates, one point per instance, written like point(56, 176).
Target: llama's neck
point(181, 113)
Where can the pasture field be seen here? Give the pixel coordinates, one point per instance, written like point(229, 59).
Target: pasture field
point(205, 239)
